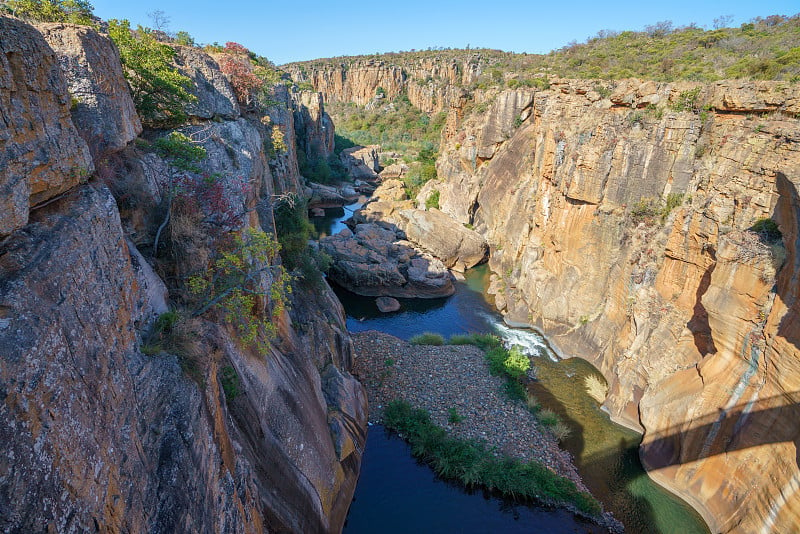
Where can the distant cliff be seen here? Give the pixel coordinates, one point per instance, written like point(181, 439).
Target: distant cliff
point(102, 427)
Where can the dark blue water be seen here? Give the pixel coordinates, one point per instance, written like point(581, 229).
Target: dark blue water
point(396, 494)
point(466, 311)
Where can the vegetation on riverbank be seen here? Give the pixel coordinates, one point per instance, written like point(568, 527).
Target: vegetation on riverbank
point(474, 465)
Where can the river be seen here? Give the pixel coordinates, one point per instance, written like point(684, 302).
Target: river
point(411, 498)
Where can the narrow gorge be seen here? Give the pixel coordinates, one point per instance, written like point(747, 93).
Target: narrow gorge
point(173, 359)
point(628, 222)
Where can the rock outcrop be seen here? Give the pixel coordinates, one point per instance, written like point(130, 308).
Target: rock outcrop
point(625, 227)
point(375, 260)
point(102, 107)
point(361, 162)
point(458, 247)
point(107, 421)
point(213, 91)
point(431, 85)
point(41, 154)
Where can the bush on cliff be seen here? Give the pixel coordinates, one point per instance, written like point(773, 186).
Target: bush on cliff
point(160, 92)
point(73, 11)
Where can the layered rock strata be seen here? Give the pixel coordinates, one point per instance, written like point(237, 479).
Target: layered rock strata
point(623, 221)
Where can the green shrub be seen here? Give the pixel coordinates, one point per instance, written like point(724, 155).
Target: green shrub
point(767, 229)
point(483, 341)
point(73, 11)
point(453, 417)
point(548, 417)
point(433, 200)
point(160, 92)
point(231, 385)
point(473, 465)
point(427, 338)
point(686, 101)
point(294, 232)
point(234, 285)
point(180, 151)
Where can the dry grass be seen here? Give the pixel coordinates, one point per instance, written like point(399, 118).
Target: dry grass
point(596, 387)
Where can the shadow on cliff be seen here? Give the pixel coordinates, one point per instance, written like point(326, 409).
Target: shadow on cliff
point(747, 425)
point(787, 284)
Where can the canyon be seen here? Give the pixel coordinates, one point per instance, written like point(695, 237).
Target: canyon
point(626, 221)
point(649, 228)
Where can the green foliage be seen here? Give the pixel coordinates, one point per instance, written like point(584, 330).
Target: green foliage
point(73, 11)
point(433, 200)
point(548, 417)
point(160, 92)
point(234, 285)
point(160, 335)
point(516, 363)
point(767, 229)
point(453, 417)
point(180, 151)
point(427, 338)
point(184, 39)
point(686, 101)
point(294, 232)
point(397, 126)
point(511, 363)
point(474, 465)
point(650, 210)
point(231, 384)
point(482, 341)
point(764, 48)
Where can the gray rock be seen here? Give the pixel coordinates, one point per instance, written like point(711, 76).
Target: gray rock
point(387, 304)
point(103, 109)
point(215, 96)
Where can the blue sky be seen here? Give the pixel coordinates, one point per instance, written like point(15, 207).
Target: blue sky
point(289, 30)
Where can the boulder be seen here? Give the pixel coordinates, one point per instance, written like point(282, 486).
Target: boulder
point(102, 106)
point(41, 153)
point(458, 247)
point(374, 261)
point(387, 304)
point(362, 163)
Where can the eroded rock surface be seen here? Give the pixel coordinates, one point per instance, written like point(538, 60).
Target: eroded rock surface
point(103, 109)
point(375, 260)
point(107, 424)
point(621, 226)
point(41, 154)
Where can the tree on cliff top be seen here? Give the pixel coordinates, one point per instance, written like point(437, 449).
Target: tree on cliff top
point(74, 11)
point(160, 92)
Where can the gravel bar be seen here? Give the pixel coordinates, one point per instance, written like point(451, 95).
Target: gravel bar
point(438, 378)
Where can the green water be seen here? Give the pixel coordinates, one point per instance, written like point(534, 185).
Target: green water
point(606, 454)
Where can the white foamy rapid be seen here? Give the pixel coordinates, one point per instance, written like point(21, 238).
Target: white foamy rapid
point(531, 342)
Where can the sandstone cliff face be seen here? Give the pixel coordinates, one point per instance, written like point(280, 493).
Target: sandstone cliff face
point(211, 437)
point(689, 314)
point(41, 154)
point(431, 86)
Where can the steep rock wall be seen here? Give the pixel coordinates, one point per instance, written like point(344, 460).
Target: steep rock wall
point(100, 433)
point(688, 313)
point(431, 86)
point(41, 154)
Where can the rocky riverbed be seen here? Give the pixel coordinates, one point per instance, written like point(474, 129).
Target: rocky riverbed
point(441, 378)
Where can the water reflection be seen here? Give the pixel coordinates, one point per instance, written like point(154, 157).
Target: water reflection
point(396, 494)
